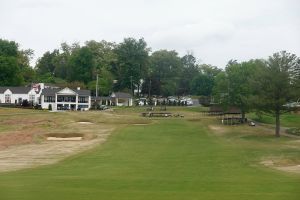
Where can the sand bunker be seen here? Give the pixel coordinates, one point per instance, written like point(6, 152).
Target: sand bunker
point(88, 123)
point(64, 139)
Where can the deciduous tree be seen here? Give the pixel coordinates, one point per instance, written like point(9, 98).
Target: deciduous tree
point(275, 85)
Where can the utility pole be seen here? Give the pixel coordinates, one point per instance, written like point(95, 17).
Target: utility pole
point(97, 87)
point(96, 92)
point(131, 86)
point(149, 88)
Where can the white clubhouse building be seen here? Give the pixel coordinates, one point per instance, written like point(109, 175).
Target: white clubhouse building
point(16, 95)
point(66, 99)
point(43, 95)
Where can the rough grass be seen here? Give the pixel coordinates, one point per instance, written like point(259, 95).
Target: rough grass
point(294, 131)
point(168, 159)
point(287, 120)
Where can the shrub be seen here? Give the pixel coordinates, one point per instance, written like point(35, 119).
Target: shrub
point(25, 103)
point(294, 131)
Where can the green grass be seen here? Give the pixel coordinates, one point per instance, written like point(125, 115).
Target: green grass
point(171, 159)
point(287, 120)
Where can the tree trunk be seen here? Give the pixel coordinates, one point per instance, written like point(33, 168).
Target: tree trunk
point(243, 116)
point(277, 129)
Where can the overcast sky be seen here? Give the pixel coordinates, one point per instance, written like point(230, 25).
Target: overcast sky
point(214, 30)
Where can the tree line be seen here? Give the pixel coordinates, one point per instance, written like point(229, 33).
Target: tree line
point(266, 85)
point(129, 65)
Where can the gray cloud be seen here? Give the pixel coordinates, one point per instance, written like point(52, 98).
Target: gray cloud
point(216, 31)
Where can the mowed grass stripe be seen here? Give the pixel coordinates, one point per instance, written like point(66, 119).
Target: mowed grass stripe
point(172, 159)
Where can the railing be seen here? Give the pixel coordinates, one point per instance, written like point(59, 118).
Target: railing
point(83, 101)
point(66, 100)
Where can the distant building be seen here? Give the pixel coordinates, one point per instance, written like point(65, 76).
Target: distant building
point(66, 99)
point(122, 99)
point(16, 95)
point(115, 99)
point(45, 95)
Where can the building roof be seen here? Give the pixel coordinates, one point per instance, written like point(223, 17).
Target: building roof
point(229, 110)
point(50, 91)
point(233, 110)
point(53, 91)
point(100, 98)
point(2, 89)
point(16, 90)
point(216, 108)
point(83, 92)
point(121, 95)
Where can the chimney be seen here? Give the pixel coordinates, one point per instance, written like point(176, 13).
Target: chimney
point(78, 88)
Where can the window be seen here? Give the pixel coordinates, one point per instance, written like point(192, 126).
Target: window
point(49, 99)
point(32, 98)
point(7, 98)
point(82, 100)
point(66, 99)
point(82, 106)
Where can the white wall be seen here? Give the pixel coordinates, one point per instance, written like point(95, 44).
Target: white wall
point(15, 97)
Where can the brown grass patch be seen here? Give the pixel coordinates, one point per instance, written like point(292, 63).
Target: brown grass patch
point(15, 138)
point(47, 152)
point(218, 129)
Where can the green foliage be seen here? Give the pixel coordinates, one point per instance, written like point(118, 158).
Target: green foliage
point(10, 72)
point(202, 85)
point(14, 64)
point(105, 83)
point(220, 89)
point(234, 87)
point(287, 119)
point(189, 72)
point(294, 131)
point(46, 64)
point(103, 53)
point(28, 74)
point(274, 84)
point(131, 64)
point(50, 107)
point(81, 65)
point(204, 81)
point(8, 48)
point(166, 68)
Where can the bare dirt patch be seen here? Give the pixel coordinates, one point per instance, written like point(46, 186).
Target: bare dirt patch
point(218, 129)
point(282, 165)
point(47, 152)
point(15, 138)
point(24, 121)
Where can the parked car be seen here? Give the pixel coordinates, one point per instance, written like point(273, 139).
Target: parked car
point(142, 102)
